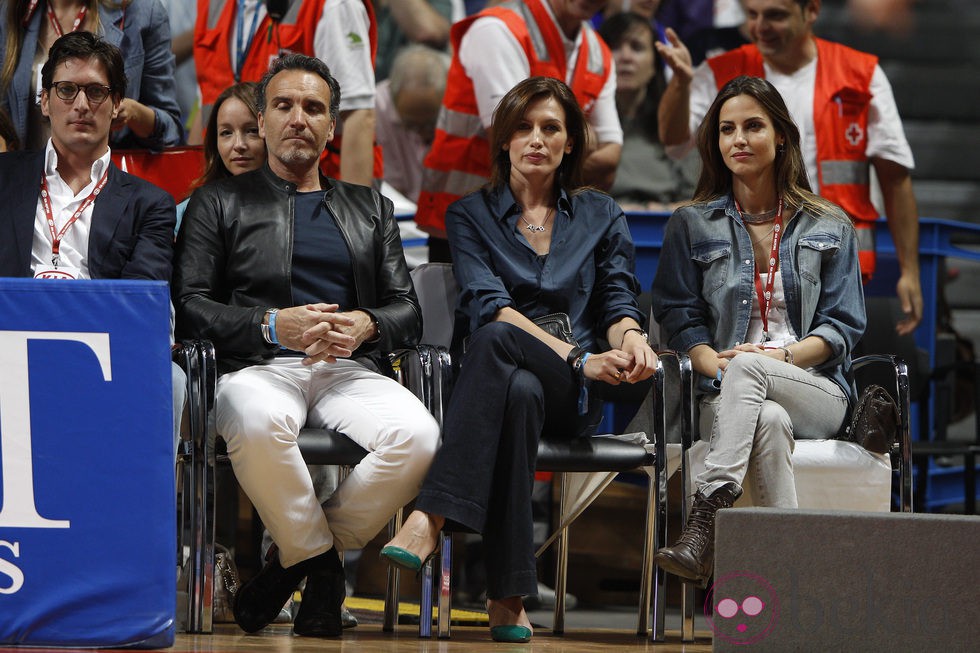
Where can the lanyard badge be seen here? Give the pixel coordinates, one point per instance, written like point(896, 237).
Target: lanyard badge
point(765, 295)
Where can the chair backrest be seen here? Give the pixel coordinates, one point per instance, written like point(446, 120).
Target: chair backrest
point(436, 288)
point(174, 169)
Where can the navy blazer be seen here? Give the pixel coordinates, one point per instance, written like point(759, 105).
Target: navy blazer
point(132, 230)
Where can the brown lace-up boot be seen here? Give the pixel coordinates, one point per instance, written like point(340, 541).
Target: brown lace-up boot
point(693, 557)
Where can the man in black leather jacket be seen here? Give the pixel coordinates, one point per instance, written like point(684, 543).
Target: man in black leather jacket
point(300, 282)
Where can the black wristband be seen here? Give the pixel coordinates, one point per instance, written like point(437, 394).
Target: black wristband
point(574, 355)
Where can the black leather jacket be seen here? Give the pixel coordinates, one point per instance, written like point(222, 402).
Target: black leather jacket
point(234, 256)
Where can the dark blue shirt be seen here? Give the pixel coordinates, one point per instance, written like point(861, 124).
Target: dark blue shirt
point(321, 270)
point(588, 272)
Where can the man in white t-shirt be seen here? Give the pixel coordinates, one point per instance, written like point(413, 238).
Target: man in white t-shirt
point(235, 41)
point(844, 107)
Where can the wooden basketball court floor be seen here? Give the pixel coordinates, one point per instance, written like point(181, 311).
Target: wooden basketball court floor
point(370, 639)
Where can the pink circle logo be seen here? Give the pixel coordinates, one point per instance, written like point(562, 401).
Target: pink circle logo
point(741, 608)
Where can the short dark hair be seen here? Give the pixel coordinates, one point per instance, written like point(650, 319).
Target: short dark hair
point(309, 64)
point(510, 112)
point(85, 46)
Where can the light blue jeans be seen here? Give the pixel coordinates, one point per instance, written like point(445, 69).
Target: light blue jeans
point(763, 405)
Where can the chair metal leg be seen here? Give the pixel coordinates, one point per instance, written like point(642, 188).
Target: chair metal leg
point(651, 580)
point(561, 572)
point(425, 601)
point(687, 613)
point(687, 596)
point(444, 618)
point(687, 436)
point(392, 584)
point(200, 598)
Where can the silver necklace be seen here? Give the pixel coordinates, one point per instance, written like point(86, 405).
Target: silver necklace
point(534, 228)
point(759, 218)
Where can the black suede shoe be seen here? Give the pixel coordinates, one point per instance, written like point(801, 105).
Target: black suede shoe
point(259, 601)
point(323, 599)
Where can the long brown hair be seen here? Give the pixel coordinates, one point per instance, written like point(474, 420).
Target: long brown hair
point(214, 167)
point(790, 172)
point(17, 13)
point(510, 112)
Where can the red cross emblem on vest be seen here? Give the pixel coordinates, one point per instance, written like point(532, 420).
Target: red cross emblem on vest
point(854, 134)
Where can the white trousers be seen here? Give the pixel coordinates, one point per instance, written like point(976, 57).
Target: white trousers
point(763, 406)
point(260, 410)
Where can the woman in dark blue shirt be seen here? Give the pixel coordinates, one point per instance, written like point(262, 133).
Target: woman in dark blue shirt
point(532, 243)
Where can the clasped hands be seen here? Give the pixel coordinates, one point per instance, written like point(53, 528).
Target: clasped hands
point(633, 363)
point(728, 354)
point(323, 332)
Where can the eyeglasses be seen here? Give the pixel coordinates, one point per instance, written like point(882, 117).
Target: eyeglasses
point(68, 91)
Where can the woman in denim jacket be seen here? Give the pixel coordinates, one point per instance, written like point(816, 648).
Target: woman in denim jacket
point(756, 236)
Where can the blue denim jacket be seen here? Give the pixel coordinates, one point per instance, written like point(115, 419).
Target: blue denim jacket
point(704, 289)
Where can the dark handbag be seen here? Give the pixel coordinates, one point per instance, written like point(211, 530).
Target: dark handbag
point(874, 421)
point(559, 325)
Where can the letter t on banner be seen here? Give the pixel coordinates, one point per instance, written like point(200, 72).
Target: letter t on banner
point(18, 509)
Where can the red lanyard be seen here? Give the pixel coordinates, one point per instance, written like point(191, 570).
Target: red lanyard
point(765, 297)
point(57, 236)
point(55, 25)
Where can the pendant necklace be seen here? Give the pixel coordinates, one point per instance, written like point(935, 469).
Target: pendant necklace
point(533, 228)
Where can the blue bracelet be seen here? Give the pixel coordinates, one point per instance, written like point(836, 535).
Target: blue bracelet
point(272, 328)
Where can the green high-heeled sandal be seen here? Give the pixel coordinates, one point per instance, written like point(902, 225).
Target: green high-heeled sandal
point(511, 634)
point(405, 559)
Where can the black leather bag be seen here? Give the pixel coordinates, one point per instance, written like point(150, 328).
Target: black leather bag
point(559, 325)
point(874, 421)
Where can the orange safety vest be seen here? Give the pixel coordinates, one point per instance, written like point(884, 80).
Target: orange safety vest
point(841, 101)
point(459, 159)
point(216, 71)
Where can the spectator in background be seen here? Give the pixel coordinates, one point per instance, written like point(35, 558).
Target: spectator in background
point(492, 52)
point(707, 27)
point(341, 33)
point(148, 116)
point(647, 179)
point(844, 106)
point(408, 105)
point(403, 22)
point(645, 8)
point(8, 136)
point(232, 144)
point(183, 15)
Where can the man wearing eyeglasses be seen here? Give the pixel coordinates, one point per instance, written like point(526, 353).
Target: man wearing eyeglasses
point(69, 213)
